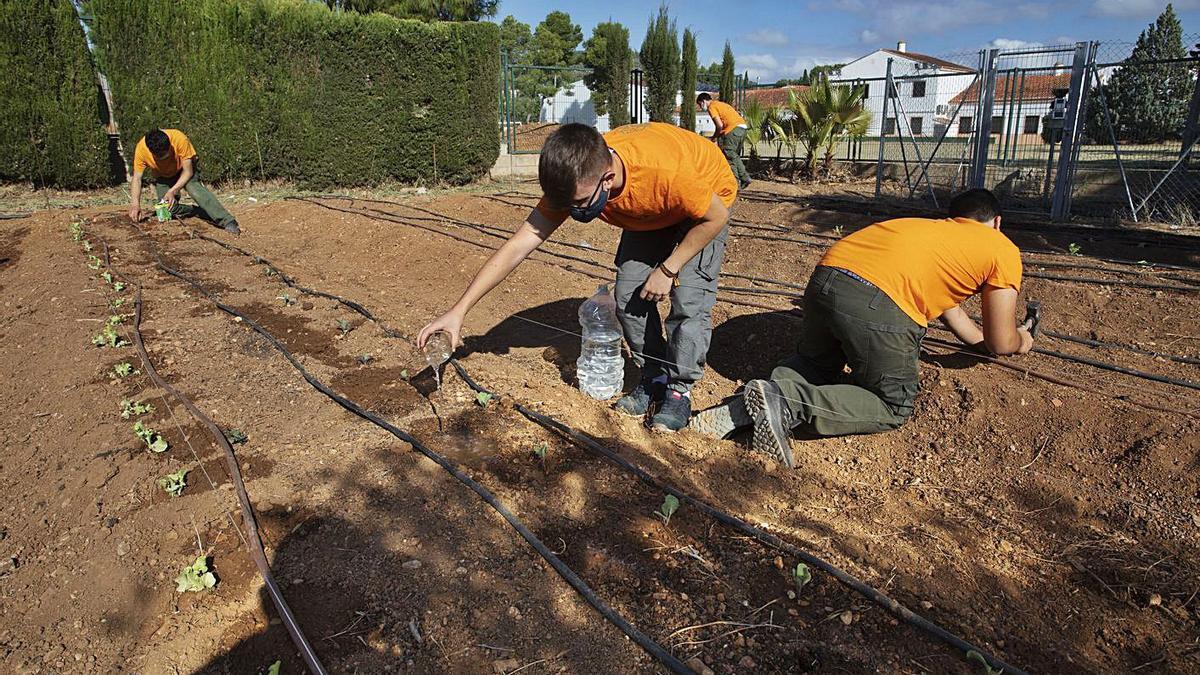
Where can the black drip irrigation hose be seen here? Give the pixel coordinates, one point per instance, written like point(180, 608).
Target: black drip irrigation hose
point(253, 540)
point(763, 537)
point(1113, 345)
point(14, 216)
point(577, 583)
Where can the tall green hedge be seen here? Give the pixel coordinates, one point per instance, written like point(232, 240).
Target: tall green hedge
point(50, 119)
point(291, 89)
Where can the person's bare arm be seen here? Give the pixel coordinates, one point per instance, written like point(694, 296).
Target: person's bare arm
point(658, 285)
point(963, 327)
point(135, 197)
point(535, 230)
point(1001, 334)
point(718, 125)
point(185, 175)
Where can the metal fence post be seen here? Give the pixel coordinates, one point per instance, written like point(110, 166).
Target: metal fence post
point(983, 135)
point(887, 93)
point(1060, 206)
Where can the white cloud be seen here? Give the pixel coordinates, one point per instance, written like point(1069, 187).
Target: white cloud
point(767, 37)
point(868, 36)
point(891, 20)
point(1009, 43)
point(770, 68)
point(1138, 8)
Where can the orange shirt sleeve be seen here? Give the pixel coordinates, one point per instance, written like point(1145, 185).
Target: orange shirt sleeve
point(556, 216)
point(141, 157)
point(183, 147)
point(1006, 272)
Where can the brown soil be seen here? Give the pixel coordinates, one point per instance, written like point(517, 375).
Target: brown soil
point(1056, 527)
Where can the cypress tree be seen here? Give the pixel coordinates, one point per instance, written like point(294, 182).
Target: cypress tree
point(660, 61)
point(687, 86)
point(727, 84)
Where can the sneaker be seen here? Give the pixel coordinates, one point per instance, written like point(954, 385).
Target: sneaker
point(772, 420)
point(232, 227)
point(743, 185)
point(674, 414)
point(722, 421)
point(638, 401)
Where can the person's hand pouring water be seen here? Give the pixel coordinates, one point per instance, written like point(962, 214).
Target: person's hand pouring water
point(449, 323)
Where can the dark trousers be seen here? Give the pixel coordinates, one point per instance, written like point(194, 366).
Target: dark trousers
point(680, 354)
point(207, 206)
point(851, 323)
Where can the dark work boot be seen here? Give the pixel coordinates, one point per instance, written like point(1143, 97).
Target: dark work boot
point(722, 421)
point(638, 401)
point(232, 227)
point(772, 420)
point(675, 412)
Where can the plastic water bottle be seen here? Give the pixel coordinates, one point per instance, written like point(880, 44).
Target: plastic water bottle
point(437, 351)
point(601, 367)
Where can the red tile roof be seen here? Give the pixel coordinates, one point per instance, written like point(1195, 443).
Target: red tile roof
point(775, 95)
point(1030, 88)
point(931, 60)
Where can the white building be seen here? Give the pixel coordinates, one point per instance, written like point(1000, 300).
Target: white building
point(573, 103)
point(925, 88)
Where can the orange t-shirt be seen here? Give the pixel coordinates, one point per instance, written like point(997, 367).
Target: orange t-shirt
point(143, 158)
point(927, 266)
point(671, 175)
point(728, 115)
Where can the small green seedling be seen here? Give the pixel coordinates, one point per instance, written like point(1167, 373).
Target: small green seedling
point(540, 451)
point(116, 303)
point(235, 436)
point(270, 271)
point(115, 320)
point(134, 409)
point(669, 506)
point(124, 369)
point(1074, 249)
point(94, 263)
point(975, 656)
point(87, 246)
point(108, 337)
point(76, 229)
point(195, 577)
point(272, 669)
point(287, 299)
point(107, 277)
point(118, 286)
point(483, 398)
point(174, 483)
point(404, 375)
point(838, 230)
point(150, 437)
point(365, 359)
point(344, 326)
point(801, 576)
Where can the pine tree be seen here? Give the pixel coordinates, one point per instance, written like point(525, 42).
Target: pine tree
point(687, 105)
point(607, 54)
point(1148, 103)
point(554, 43)
point(660, 61)
point(727, 79)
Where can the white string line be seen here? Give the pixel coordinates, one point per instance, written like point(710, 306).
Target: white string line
point(173, 418)
point(672, 363)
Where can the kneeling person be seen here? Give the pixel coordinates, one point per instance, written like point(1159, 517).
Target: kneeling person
point(669, 191)
point(171, 159)
point(867, 306)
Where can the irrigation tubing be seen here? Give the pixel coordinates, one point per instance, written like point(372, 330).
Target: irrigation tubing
point(763, 537)
point(580, 586)
point(253, 539)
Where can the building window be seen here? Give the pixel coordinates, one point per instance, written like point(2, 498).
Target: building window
point(919, 89)
point(917, 125)
point(889, 126)
point(997, 125)
point(965, 124)
point(1031, 124)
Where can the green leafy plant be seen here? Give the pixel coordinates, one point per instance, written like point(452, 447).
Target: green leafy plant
point(540, 451)
point(116, 303)
point(975, 656)
point(483, 398)
point(1074, 249)
point(235, 436)
point(134, 409)
point(108, 337)
point(272, 669)
point(174, 483)
point(669, 506)
point(107, 277)
point(343, 326)
point(404, 375)
point(195, 577)
point(124, 369)
point(838, 230)
point(87, 245)
point(801, 576)
point(76, 229)
point(115, 320)
point(287, 299)
point(270, 271)
point(118, 286)
point(150, 437)
point(94, 263)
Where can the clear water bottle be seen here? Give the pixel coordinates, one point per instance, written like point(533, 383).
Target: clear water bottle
point(600, 368)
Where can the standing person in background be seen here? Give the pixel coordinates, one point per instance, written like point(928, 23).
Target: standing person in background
point(867, 306)
point(172, 162)
point(730, 134)
point(669, 191)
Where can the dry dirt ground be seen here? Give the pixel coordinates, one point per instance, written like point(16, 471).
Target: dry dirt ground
point(1055, 525)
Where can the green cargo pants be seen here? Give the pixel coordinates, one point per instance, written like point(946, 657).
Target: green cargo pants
point(731, 145)
point(850, 322)
point(207, 207)
point(682, 352)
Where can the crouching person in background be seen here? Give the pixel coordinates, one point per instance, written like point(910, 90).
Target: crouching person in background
point(171, 160)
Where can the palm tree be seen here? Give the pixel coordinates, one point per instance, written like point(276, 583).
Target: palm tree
point(824, 115)
point(765, 124)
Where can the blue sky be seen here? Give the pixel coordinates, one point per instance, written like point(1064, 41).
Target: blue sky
point(780, 38)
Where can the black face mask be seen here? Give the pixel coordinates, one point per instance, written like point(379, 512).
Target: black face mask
point(585, 214)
